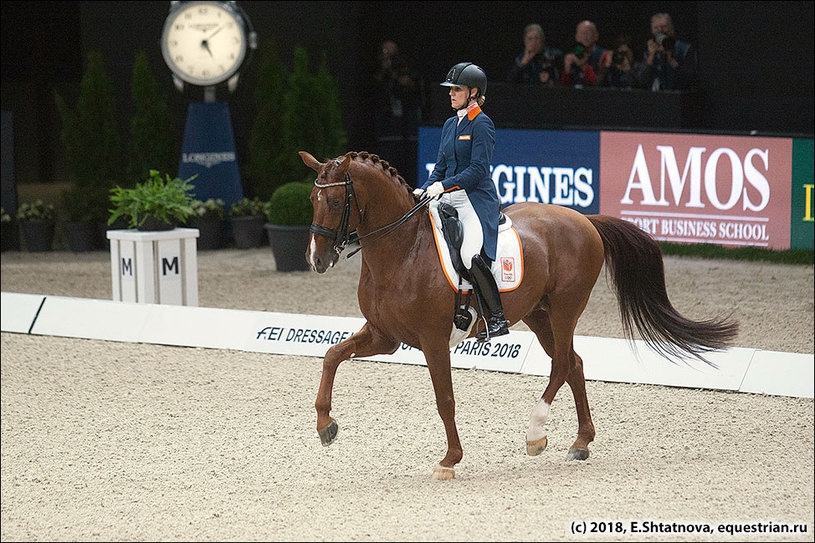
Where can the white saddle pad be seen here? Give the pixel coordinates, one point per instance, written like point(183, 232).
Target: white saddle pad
point(508, 268)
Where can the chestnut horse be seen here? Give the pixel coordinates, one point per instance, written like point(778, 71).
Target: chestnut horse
point(358, 198)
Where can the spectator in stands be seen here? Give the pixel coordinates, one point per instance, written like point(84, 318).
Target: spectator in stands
point(580, 66)
point(618, 69)
point(537, 64)
point(668, 63)
point(399, 94)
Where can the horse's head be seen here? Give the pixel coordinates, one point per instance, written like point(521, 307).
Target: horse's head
point(336, 211)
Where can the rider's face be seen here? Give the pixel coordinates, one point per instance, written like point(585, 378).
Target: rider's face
point(458, 96)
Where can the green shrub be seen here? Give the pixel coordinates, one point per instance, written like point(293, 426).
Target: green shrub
point(154, 143)
point(266, 145)
point(290, 205)
point(4, 217)
point(36, 211)
point(298, 111)
point(246, 207)
point(211, 210)
point(168, 200)
point(81, 206)
point(91, 138)
point(312, 116)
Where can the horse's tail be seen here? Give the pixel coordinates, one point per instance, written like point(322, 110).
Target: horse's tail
point(635, 263)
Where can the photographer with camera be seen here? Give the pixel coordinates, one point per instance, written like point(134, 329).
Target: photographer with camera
point(618, 71)
point(668, 63)
point(537, 64)
point(397, 97)
point(581, 65)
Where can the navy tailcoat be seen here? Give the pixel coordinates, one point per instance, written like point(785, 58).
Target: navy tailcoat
point(463, 163)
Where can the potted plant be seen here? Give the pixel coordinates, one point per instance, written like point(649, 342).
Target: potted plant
point(155, 204)
point(209, 220)
point(289, 213)
point(154, 137)
point(247, 219)
point(80, 228)
point(93, 153)
point(37, 221)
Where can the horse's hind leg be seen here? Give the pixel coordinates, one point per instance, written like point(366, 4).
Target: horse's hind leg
point(536, 439)
point(556, 338)
point(367, 342)
point(585, 431)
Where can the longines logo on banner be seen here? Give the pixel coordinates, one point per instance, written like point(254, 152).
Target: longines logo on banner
point(571, 187)
point(207, 160)
point(699, 189)
point(545, 184)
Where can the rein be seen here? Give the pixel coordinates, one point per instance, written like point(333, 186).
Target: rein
point(341, 236)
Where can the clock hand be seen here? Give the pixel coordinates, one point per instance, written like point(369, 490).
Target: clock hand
point(216, 31)
point(205, 45)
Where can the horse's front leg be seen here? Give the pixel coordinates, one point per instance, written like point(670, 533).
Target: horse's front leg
point(367, 342)
point(438, 362)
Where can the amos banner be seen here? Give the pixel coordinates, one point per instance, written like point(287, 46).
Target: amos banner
point(690, 188)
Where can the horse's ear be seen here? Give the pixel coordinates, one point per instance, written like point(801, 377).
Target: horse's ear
point(344, 165)
point(310, 161)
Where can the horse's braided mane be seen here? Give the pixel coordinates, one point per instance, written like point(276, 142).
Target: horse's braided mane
point(370, 157)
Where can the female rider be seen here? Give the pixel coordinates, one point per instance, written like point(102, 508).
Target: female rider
point(462, 177)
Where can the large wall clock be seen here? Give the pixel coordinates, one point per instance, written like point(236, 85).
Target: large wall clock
point(205, 43)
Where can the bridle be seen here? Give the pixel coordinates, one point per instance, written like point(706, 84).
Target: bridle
point(341, 236)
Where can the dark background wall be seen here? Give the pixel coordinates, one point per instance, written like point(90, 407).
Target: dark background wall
point(756, 58)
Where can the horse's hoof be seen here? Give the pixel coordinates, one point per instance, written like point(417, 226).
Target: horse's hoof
point(534, 448)
point(577, 454)
point(329, 433)
point(440, 473)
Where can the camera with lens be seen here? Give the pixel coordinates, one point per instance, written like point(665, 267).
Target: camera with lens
point(665, 41)
point(619, 56)
point(579, 50)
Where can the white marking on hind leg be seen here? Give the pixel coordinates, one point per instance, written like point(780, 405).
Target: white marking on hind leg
point(537, 422)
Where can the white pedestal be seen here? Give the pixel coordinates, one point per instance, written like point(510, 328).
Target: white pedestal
point(154, 267)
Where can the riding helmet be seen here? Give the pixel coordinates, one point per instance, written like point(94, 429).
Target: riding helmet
point(467, 74)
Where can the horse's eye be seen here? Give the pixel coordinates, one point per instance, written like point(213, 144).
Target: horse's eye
point(334, 204)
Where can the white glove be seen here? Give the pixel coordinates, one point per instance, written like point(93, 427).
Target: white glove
point(418, 193)
point(435, 189)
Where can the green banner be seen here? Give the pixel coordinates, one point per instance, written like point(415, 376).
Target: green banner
point(802, 211)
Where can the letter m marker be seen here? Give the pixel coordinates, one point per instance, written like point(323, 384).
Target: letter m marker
point(172, 266)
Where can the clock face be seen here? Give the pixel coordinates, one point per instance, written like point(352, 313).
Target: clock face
point(203, 43)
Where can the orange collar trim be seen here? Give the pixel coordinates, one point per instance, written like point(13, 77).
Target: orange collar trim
point(473, 112)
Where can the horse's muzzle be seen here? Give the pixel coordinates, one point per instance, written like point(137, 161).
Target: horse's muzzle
point(321, 260)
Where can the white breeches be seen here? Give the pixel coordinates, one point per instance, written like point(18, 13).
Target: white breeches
point(473, 234)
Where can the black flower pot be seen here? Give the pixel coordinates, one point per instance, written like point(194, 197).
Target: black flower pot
point(81, 236)
point(10, 236)
point(38, 235)
point(248, 231)
point(210, 233)
point(289, 245)
point(153, 224)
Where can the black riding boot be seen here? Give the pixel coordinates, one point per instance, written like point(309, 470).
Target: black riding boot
point(485, 282)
